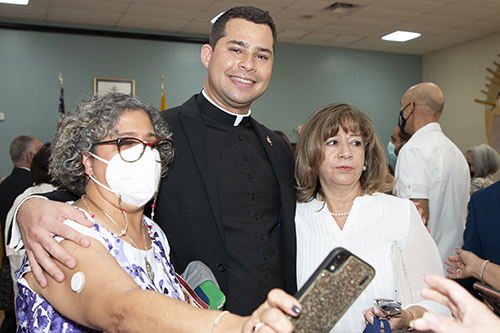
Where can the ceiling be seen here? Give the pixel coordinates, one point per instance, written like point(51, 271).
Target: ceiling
point(442, 23)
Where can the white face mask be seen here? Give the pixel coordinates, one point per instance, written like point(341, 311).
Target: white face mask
point(134, 182)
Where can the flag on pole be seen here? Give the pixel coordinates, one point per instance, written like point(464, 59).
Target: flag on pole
point(163, 105)
point(62, 113)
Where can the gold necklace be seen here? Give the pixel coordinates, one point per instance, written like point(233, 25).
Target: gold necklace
point(149, 269)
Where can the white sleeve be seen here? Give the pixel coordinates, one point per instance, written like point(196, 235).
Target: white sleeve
point(16, 242)
point(420, 256)
point(412, 174)
point(87, 231)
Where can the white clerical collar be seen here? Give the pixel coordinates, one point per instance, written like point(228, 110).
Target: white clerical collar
point(239, 117)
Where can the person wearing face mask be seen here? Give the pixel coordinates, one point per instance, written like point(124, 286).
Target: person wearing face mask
point(111, 152)
point(231, 187)
point(397, 142)
point(431, 170)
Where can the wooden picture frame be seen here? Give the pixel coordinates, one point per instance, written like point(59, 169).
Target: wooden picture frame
point(104, 85)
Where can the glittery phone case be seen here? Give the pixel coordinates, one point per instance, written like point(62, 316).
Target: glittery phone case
point(331, 290)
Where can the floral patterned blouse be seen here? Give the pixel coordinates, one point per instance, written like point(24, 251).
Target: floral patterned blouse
point(35, 314)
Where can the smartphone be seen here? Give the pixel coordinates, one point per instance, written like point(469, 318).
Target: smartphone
point(389, 307)
point(331, 290)
point(490, 295)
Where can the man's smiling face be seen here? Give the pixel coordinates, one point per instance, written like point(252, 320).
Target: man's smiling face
point(240, 65)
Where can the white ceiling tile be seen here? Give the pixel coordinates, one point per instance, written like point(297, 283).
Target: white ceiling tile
point(363, 22)
point(483, 27)
point(90, 5)
point(314, 6)
point(440, 20)
point(23, 12)
point(287, 33)
point(345, 39)
point(167, 13)
point(422, 6)
point(82, 17)
point(345, 30)
point(298, 16)
point(473, 12)
point(442, 23)
point(306, 25)
point(184, 4)
point(197, 28)
point(381, 13)
point(151, 23)
point(491, 4)
point(37, 3)
point(317, 37)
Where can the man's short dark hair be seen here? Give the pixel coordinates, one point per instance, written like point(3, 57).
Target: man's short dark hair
point(20, 146)
point(248, 13)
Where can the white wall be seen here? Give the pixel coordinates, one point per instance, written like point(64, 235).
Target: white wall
point(461, 73)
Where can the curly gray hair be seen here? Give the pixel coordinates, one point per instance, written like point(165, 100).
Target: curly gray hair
point(90, 123)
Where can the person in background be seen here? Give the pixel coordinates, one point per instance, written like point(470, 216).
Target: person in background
point(484, 162)
point(469, 315)
point(22, 151)
point(42, 183)
point(341, 174)
point(431, 170)
point(479, 258)
point(231, 187)
point(398, 140)
point(111, 152)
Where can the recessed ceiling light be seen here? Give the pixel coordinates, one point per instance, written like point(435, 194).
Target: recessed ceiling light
point(401, 36)
point(216, 17)
point(15, 2)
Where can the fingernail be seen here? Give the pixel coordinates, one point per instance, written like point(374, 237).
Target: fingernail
point(58, 278)
point(377, 311)
point(296, 309)
point(85, 242)
point(363, 312)
point(411, 324)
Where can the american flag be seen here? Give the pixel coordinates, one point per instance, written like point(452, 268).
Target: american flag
point(62, 113)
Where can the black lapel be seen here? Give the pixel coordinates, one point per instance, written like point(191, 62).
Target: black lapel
point(196, 134)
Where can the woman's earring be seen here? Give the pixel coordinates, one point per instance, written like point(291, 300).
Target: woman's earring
point(364, 167)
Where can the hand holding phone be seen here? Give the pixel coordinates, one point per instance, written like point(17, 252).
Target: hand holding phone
point(331, 290)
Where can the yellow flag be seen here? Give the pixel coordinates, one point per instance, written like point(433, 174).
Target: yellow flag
point(163, 105)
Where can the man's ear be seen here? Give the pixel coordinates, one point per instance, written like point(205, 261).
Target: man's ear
point(87, 163)
point(29, 157)
point(206, 54)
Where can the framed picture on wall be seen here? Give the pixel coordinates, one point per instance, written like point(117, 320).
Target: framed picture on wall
point(104, 85)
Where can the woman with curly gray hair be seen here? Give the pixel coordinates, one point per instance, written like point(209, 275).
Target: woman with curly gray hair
point(111, 152)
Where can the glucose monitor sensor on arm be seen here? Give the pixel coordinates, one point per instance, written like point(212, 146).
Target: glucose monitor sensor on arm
point(77, 282)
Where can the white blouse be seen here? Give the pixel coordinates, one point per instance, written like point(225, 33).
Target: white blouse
point(373, 225)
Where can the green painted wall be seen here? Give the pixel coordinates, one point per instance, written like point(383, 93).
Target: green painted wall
point(304, 79)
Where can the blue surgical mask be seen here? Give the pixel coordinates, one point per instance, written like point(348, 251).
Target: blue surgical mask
point(402, 120)
point(391, 150)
